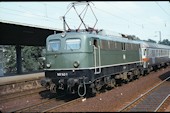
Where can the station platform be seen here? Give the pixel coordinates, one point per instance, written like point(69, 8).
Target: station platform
point(18, 78)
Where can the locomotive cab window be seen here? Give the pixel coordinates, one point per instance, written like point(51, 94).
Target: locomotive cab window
point(95, 43)
point(72, 44)
point(53, 45)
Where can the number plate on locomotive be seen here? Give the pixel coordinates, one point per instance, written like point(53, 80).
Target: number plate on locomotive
point(62, 74)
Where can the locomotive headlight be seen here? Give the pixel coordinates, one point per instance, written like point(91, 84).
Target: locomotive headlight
point(48, 65)
point(76, 64)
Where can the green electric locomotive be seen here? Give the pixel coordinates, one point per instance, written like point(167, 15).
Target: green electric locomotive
point(86, 60)
point(83, 61)
point(77, 61)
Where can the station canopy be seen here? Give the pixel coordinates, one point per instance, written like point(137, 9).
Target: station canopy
point(13, 33)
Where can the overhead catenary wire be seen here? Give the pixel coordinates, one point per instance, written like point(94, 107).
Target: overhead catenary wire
point(142, 26)
point(124, 11)
point(117, 16)
point(33, 13)
point(162, 9)
point(36, 15)
point(39, 15)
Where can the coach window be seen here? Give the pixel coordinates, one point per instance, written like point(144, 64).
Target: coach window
point(109, 44)
point(144, 53)
point(115, 44)
point(131, 46)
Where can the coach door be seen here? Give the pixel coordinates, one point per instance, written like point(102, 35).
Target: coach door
point(97, 59)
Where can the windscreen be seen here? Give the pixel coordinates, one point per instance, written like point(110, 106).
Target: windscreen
point(72, 44)
point(54, 45)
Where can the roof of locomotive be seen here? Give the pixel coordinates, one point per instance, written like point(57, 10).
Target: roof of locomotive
point(115, 37)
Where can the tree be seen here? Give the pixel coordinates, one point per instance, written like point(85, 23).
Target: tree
point(165, 42)
point(150, 40)
point(30, 55)
point(10, 59)
point(30, 59)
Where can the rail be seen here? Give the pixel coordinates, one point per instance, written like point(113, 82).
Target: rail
point(162, 103)
point(142, 95)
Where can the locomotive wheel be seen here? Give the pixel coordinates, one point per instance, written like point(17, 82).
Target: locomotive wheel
point(98, 85)
point(142, 72)
point(127, 81)
point(155, 68)
point(137, 76)
point(53, 88)
point(145, 73)
point(119, 82)
point(148, 70)
point(131, 78)
point(91, 91)
point(112, 83)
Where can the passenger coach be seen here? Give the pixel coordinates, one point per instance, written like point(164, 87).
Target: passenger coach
point(154, 55)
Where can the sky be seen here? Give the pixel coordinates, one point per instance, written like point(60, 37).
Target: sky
point(144, 19)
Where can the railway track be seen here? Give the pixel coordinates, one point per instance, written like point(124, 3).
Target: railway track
point(23, 94)
point(151, 100)
point(48, 104)
point(55, 108)
point(163, 105)
point(54, 103)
